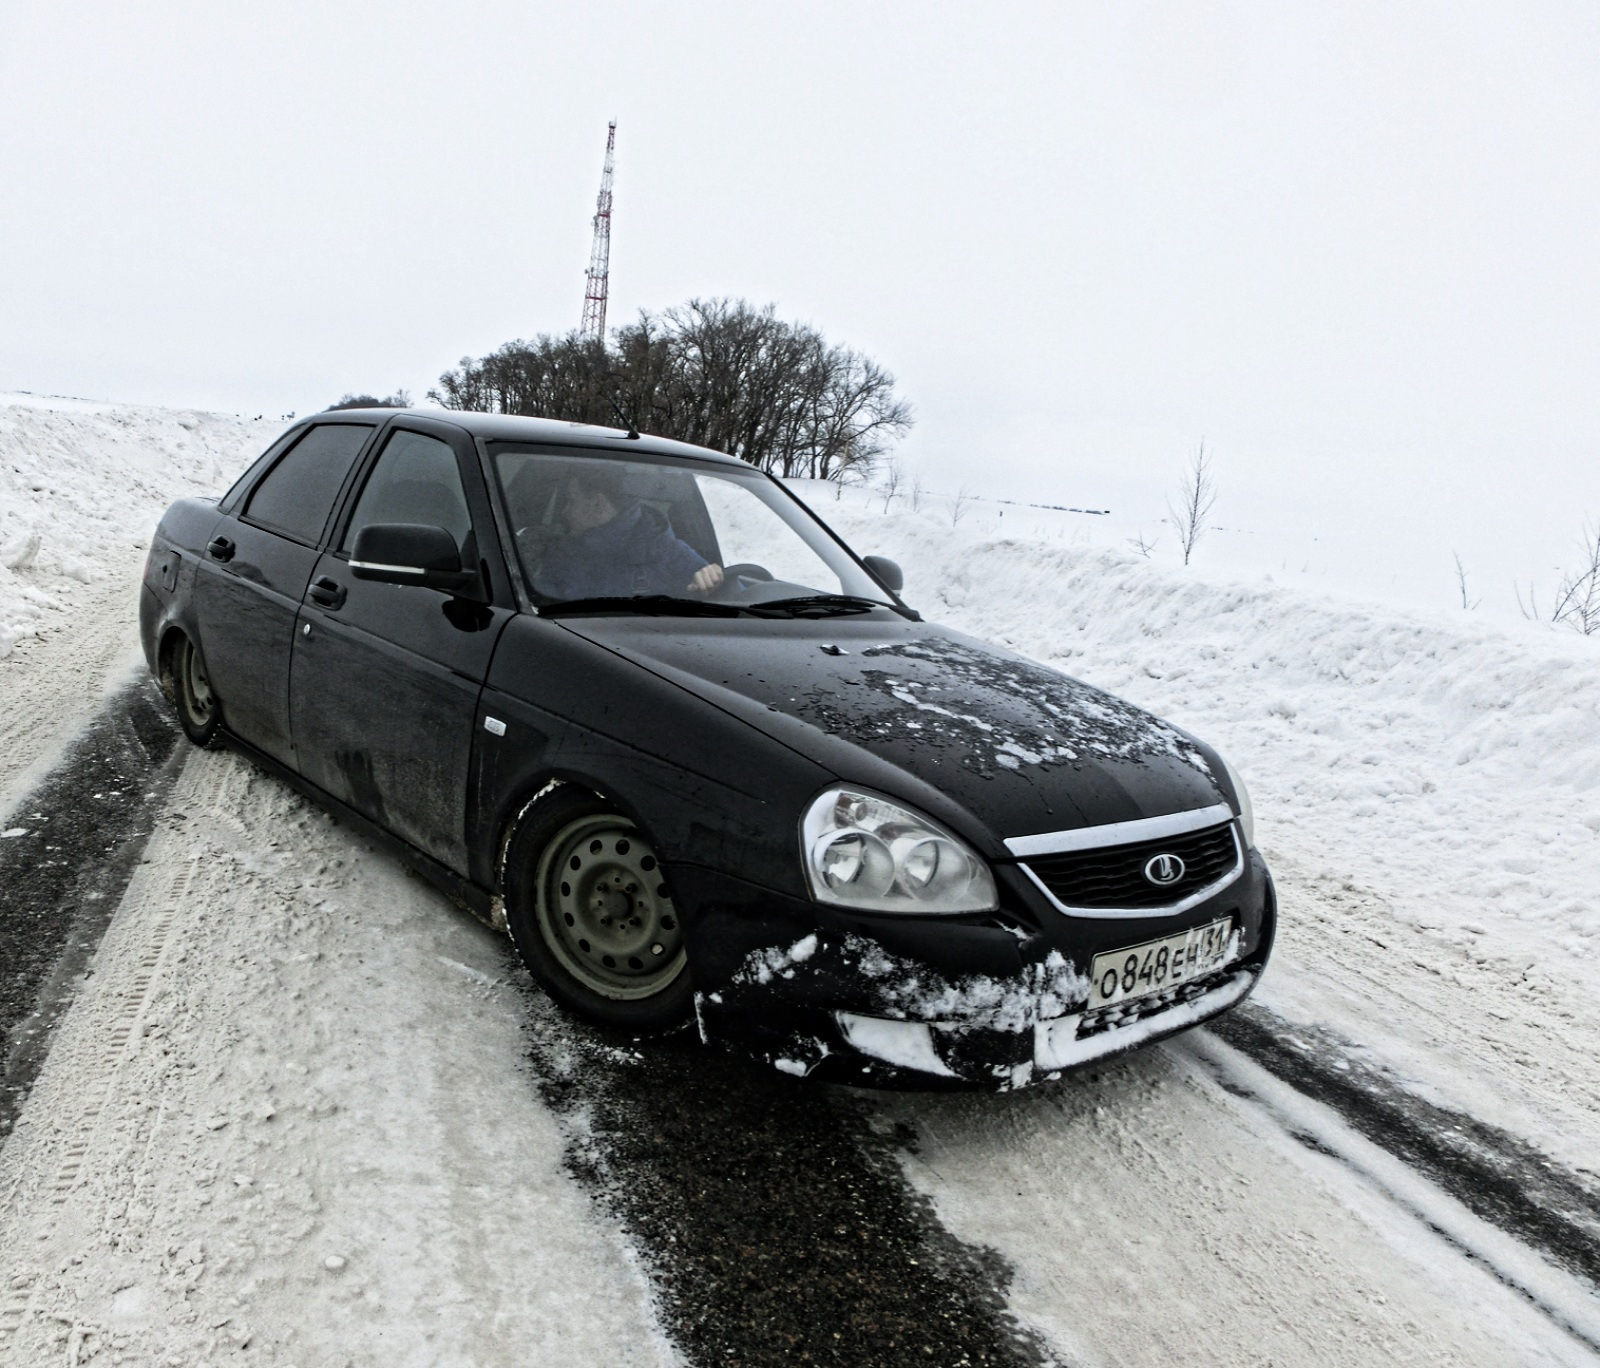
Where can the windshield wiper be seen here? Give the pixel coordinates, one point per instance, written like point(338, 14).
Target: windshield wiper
point(815, 606)
point(652, 605)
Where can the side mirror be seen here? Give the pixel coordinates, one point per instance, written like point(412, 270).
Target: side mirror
point(410, 553)
point(886, 572)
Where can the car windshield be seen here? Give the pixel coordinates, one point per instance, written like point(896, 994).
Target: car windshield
point(610, 533)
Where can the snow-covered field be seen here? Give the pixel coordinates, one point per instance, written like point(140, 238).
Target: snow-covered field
point(290, 1119)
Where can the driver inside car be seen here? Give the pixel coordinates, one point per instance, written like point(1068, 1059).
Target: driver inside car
point(618, 546)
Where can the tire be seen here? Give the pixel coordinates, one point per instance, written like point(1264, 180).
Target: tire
point(188, 685)
point(591, 915)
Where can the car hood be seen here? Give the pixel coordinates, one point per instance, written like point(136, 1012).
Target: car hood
point(1021, 747)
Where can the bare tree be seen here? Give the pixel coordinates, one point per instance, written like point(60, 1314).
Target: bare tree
point(1461, 583)
point(1196, 495)
point(719, 373)
point(917, 492)
point(891, 482)
point(1142, 544)
point(960, 505)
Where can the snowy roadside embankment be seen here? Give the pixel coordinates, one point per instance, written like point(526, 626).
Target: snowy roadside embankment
point(1427, 787)
point(82, 485)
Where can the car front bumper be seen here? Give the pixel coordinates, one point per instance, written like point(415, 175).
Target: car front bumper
point(936, 1004)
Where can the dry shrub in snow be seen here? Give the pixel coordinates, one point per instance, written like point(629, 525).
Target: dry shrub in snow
point(1577, 596)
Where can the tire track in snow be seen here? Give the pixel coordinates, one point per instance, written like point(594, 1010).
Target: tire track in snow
point(775, 1222)
point(320, 1146)
point(1497, 1176)
point(69, 851)
point(1387, 1187)
point(128, 1015)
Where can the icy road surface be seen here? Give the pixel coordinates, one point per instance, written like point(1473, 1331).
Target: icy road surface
point(304, 1112)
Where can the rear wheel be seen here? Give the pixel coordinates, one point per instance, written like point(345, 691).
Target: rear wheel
point(592, 916)
point(190, 689)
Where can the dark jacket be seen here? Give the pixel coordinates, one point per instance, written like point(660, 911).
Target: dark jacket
point(635, 553)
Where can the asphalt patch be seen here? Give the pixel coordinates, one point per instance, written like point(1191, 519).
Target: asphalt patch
point(82, 829)
point(774, 1220)
point(1494, 1174)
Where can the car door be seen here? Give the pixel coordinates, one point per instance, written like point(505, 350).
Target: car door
point(386, 677)
point(252, 576)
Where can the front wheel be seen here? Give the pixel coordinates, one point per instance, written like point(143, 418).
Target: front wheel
point(189, 687)
point(592, 916)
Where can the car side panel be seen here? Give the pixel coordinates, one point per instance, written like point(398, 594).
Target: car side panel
point(707, 787)
point(385, 690)
point(245, 610)
point(167, 593)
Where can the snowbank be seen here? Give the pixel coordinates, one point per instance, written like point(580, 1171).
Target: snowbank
point(82, 485)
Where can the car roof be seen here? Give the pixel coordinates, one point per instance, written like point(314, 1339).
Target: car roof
point(507, 427)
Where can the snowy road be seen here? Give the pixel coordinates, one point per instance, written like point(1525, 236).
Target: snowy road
point(290, 1111)
point(302, 1111)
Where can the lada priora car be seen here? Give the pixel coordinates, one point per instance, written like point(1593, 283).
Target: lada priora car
point(634, 703)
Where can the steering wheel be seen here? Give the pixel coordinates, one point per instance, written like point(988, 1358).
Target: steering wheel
point(747, 570)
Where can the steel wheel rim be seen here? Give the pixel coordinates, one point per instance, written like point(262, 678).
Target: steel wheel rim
point(605, 912)
point(197, 687)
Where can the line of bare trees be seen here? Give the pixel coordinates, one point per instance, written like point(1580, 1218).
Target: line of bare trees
point(720, 373)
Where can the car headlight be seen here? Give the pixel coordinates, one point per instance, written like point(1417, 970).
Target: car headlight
point(865, 852)
point(1247, 814)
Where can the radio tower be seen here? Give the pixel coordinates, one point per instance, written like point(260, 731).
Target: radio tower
point(595, 291)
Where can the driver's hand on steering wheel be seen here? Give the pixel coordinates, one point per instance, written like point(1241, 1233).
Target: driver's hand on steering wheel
point(706, 578)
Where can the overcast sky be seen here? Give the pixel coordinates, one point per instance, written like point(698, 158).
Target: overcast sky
point(1353, 246)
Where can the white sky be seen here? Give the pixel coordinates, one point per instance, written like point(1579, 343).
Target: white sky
point(1352, 245)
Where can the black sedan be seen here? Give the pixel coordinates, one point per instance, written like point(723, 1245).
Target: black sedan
point(632, 702)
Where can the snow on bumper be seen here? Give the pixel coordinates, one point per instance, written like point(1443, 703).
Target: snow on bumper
point(1057, 1045)
point(847, 1009)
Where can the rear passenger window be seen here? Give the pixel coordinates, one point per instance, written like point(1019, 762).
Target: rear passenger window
point(229, 503)
point(416, 480)
point(298, 493)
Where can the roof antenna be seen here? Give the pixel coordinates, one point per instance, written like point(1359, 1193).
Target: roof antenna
point(623, 421)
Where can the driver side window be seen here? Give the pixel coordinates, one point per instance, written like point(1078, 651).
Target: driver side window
point(416, 480)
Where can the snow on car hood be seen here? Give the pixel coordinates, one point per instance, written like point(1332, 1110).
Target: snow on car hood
point(1018, 745)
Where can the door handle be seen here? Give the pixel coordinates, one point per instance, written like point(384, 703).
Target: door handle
point(329, 593)
point(220, 548)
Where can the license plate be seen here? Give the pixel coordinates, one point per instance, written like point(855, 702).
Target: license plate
point(1120, 975)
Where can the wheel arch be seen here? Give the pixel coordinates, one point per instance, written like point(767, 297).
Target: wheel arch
point(528, 797)
point(167, 640)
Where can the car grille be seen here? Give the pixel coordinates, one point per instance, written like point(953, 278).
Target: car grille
point(1113, 876)
point(1126, 1013)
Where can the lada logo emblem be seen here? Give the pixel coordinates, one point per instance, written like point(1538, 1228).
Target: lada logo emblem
point(1164, 870)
